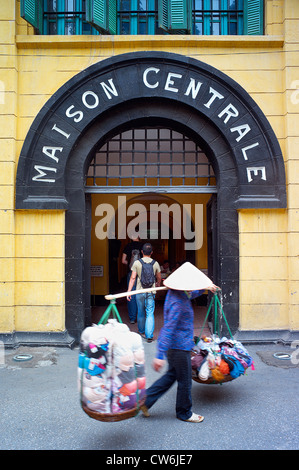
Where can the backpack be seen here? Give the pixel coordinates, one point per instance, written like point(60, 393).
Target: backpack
point(135, 255)
point(147, 278)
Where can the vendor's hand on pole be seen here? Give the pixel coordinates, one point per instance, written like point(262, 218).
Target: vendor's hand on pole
point(213, 288)
point(128, 298)
point(158, 364)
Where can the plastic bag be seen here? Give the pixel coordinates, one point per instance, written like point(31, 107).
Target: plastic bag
point(111, 371)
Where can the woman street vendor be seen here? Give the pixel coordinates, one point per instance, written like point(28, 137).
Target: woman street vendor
point(175, 340)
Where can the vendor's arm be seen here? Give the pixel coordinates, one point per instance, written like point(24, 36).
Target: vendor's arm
point(158, 364)
point(196, 293)
point(213, 288)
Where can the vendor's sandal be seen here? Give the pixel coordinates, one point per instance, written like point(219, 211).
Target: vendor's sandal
point(145, 411)
point(194, 418)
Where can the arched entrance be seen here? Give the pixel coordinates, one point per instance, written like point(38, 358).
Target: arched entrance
point(152, 89)
point(180, 179)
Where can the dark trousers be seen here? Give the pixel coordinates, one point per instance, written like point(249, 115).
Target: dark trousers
point(179, 369)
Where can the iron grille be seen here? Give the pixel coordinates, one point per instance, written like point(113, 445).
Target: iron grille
point(150, 157)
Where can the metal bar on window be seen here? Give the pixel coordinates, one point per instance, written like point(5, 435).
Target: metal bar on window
point(162, 148)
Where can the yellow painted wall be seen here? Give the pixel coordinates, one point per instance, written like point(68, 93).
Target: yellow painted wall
point(33, 67)
point(39, 271)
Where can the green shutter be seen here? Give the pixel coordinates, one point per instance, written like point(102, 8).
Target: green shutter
point(96, 14)
point(101, 14)
point(175, 15)
point(253, 17)
point(163, 14)
point(32, 11)
point(112, 17)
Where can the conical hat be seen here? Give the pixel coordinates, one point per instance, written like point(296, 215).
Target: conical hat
point(187, 277)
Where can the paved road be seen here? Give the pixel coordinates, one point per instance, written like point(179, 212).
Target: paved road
point(40, 409)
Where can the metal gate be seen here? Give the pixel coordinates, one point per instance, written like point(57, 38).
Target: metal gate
point(150, 159)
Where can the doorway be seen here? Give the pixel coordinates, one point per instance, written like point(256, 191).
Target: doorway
point(107, 254)
point(157, 182)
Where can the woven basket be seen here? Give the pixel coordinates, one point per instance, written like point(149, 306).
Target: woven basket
point(112, 417)
point(211, 380)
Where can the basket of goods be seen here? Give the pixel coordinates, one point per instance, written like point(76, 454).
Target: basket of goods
point(111, 372)
point(217, 360)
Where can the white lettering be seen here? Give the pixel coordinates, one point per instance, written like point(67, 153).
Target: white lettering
point(244, 150)
point(215, 95)
point(50, 152)
point(109, 89)
point(55, 128)
point(295, 354)
point(41, 170)
point(198, 225)
point(79, 114)
point(170, 82)
point(138, 225)
point(120, 460)
point(2, 354)
point(108, 221)
point(121, 216)
point(140, 220)
point(255, 171)
point(96, 99)
point(164, 210)
point(191, 87)
point(230, 111)
point(242, 130)
point(145, 73)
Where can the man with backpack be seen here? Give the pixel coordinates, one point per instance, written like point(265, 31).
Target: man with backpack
point(148, 274)
point(131, 253)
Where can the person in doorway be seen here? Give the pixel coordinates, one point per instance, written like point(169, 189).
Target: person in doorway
point(145, 301)
point(131, 253)
point(176, 340)
point(165, 269)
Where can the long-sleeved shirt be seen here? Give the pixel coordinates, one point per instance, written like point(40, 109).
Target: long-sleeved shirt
point(177, 332)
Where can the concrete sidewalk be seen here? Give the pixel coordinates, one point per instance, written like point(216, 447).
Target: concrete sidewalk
point(40, 408)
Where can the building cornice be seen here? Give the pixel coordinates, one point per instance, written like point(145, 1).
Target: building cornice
point(150, 42)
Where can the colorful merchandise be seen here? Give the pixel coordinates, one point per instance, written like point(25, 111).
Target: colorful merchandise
point(111, 372)
point(216, 360)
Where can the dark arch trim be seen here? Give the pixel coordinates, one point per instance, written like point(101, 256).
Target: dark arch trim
point(116, 82)
point(184, 119)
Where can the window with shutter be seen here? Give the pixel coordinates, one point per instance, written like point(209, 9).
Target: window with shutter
point(253, 17)
point(112, 17)
point(96, 14)
point(102, 14)
point(175, 15)
point(32, 11)
point(199, 17)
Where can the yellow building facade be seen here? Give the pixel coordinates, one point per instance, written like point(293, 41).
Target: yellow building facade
point(39, 273)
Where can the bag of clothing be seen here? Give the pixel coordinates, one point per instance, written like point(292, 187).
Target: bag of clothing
point(216, 360)
point(111, 372)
